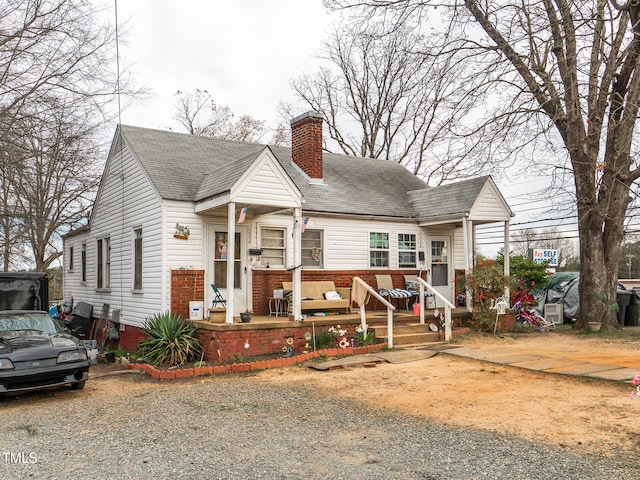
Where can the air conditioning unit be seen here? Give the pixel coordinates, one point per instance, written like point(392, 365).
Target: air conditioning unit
point(553, 313)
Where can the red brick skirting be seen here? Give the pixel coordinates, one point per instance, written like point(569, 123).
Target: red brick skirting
point(163, 374)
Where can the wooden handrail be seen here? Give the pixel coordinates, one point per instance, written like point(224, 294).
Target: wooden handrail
point(447, 307)
point(390, 309)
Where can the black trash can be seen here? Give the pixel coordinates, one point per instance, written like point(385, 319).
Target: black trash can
point(633, 310)
point(624, 299)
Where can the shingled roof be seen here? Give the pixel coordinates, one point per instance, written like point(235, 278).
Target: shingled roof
point(192, 168)
point(451, 200)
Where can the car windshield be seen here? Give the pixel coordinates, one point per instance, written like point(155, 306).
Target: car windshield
point(27, 321)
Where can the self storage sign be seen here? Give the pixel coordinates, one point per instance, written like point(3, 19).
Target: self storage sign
point(546, 255)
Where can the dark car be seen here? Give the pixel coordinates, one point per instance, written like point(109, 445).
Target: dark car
point(35, 353)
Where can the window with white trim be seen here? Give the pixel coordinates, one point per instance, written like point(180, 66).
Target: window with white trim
point(273, 245)
point(406, 250)
point(83, 263)
point(103, 257)
point(137, 259)
point(378, 249)
point(312, 248)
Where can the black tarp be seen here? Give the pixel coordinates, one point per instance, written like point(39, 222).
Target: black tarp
point(24, 291)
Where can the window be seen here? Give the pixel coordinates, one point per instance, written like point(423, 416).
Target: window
point(406, 250)
point(378, 249)
point(71, 259)
point(137, 259)
point(220, 261)
point(83, 262)
point(272, 242)
point(312, 248)
point(104, 263)
point(439, 263)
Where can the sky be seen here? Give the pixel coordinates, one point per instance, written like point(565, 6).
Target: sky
point(244, 53)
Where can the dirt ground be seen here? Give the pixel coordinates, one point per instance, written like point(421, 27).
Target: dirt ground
point(570, 412)
point(578, 414)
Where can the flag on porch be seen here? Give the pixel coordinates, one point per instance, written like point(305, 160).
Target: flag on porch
point(243, 214)
point(304, 224)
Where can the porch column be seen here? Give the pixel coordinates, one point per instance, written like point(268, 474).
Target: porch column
point(231, 249)
point(507, 268)
point(467, 232)
point(297, 264)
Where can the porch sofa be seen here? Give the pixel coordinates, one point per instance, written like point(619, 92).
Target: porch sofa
point(313, 295)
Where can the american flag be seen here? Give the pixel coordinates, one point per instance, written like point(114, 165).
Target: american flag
point(304, 224)
point(243, 214)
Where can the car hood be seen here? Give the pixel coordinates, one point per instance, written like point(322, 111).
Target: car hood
point(22, 339)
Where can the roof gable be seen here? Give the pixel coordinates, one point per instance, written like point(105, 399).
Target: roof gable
point(473, 198)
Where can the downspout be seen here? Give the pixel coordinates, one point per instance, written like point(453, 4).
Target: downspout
point(297, 264)
point(231, 249)
point(507, 266)
point(468, 258)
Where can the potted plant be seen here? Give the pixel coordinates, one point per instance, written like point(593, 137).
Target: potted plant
point(182, 232)
point(245, 316)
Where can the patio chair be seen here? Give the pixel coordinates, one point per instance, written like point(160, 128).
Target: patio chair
point(411, 284)
point(385, 288)
point(217, 297)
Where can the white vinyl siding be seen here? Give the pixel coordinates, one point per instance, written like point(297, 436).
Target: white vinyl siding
point(123, 180)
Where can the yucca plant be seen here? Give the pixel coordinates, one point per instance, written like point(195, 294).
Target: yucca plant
point(169, 340)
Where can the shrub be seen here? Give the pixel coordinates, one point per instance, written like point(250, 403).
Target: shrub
point(170, 340)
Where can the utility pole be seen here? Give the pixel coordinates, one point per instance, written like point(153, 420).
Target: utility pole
point(629, 258)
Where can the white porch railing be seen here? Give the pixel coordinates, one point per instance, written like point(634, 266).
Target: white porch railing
point(390, 309)
point(447, 307)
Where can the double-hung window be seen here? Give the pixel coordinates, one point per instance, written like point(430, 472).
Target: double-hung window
point(406, 250)
point(273, 245)
point(103, 256)
point(137, 259)
point(71, 250)
point(378, 249)
point(312, 248)
point(83, 263)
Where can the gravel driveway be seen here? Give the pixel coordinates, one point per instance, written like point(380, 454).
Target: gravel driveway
point(235, 427)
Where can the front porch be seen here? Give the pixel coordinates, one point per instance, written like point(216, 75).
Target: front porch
point(268, 335)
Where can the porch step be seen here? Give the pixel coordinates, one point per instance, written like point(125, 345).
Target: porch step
point(407, 334)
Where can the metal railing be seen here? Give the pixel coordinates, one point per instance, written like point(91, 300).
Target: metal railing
point(447, 307)
point(390, 309)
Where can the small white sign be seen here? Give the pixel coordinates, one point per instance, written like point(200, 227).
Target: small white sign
point(541, 255)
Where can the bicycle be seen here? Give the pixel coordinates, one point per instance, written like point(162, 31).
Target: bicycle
point(526, 319)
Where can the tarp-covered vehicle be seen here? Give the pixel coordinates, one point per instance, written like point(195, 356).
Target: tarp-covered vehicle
point(563, 288)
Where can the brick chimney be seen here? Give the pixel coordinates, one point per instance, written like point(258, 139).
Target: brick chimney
point(306, 143)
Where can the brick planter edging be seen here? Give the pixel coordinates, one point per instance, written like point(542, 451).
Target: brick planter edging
point(252, 366)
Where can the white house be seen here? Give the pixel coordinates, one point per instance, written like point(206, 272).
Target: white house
point(258, 215)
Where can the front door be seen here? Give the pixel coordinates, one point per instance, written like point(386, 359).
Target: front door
point(440, 262)
point(218, 243)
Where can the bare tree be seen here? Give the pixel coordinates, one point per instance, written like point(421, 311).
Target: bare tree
point(523, 241)
point(198, 113)
point(565, 73)
point(53, 177)
point(53, 47)
point(392, 97)
point(57, 87)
